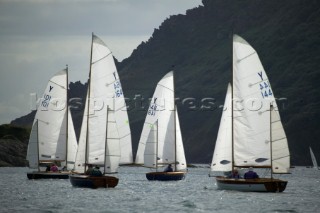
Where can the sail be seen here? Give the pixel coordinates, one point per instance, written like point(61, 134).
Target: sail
point(81, 151)
point(161, 142)
point(161, 107)
point(151, 148)
point(50, 117)
point(72, 143)
point(102, 61)
point(313, 158)
point(32, 153)
point(280, 150)
point(253, 95)
point(112, 153)
point(222, 159)
point(181, 163)
point(104, 92)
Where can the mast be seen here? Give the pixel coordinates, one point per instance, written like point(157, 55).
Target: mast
point(106, 141)
point(232, 124)
point(38, 145)
point(89, 85)
point(67, 114)
point(157, 138)
point(175, 133)
point(271, 108)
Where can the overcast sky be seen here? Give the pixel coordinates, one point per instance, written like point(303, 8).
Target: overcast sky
point(39, 37)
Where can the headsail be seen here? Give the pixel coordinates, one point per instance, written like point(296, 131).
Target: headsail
point(222, 159)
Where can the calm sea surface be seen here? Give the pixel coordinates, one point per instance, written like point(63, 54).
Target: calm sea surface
point(197, 193)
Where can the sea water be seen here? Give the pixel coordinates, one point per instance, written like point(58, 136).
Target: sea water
point(134, 193)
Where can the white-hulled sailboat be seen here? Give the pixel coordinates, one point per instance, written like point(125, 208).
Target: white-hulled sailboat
point(161, 141)
point(52, 139)
point(251, 133)
point(105, 138)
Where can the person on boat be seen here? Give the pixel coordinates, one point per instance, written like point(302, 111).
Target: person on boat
point(89, 170)
point(168, 168)
point(48, 168)
point(250, 174)
point(235, 174)
point(54, 168)
point(64, 168)
point(96, 172)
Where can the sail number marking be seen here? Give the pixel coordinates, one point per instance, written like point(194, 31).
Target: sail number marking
point(265, 88)
point(153, 108)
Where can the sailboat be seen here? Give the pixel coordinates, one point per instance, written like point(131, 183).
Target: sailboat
point(314, 160)
point(52, 139)
point(250, 133)
point(105, 138)
point(161, 141)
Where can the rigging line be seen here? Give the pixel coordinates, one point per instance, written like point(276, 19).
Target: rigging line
point(101, 58)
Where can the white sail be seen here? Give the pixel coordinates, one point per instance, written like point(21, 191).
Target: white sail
point(160, 109)
point(112, 153)
point(280, 150)
point(51, 117)
point(104, 92)
point(81, 151)
point(252, 95)
point(222, 156)
point(181, 162)
point(313, 158)
point(151, 148)
point(72, 143)
point(32, 153)
point(162, 143)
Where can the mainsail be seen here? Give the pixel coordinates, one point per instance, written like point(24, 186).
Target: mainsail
point(252, 95)
point(161, 140)
point(48, 141)
point(105, 121)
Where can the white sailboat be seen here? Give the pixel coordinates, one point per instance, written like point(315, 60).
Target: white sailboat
point(105, 138)
point(251, 133)
point(314, 160)
point(161, 141)
point(52, 137)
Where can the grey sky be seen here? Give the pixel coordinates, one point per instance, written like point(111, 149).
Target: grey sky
point(38, 38)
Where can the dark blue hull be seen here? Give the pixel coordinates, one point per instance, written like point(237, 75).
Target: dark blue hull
point(48, 175)
point(86, 181)
point(166, 176)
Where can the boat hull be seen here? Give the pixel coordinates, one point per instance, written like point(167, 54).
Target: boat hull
point(165, 176)
point(48, 175)
point(86, 181)
point(251, 185)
